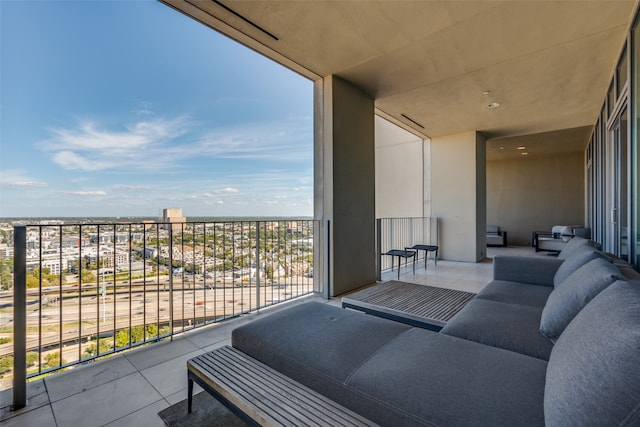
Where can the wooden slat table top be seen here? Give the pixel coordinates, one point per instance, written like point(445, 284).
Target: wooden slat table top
point(266, 395)
point(419, 303)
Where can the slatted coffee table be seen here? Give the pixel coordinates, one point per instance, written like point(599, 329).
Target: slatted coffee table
point(417, 305)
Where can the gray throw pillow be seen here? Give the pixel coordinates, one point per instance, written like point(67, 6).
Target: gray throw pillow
point(571, 246)
point(573, 293)
point(579, 257)
point(593, 375)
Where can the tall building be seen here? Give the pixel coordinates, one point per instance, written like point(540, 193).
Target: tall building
point(174, 217)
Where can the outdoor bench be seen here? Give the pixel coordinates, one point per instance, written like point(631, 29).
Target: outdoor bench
point(261, 395)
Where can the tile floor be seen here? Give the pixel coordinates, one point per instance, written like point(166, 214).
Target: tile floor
point(131, 388)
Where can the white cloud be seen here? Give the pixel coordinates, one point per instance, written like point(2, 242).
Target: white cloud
point(288, 141)
point(229, 190)
point(131, 187)
point(144, 144)
point(89, 193)
point(17, 178)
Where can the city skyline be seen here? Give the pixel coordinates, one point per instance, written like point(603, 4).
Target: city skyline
point(125, 108)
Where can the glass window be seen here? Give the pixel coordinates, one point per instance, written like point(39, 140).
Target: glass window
point(621, 72)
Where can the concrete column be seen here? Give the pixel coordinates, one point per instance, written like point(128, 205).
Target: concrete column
point(344, 172)
point(458, 195)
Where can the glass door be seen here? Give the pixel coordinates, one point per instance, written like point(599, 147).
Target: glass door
point(619, 185)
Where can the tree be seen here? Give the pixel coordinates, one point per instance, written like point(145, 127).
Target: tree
point(32, 358)
point(87, 277)
point(6, 276)
point(44, 271)
point(6, 364)
point(102, 347)
point(129, 336)
point(53, 360)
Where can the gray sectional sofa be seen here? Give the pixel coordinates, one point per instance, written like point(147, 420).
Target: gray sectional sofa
point(550, 341)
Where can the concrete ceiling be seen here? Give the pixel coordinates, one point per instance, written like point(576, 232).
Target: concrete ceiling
point(542, 144)
point(548, 63)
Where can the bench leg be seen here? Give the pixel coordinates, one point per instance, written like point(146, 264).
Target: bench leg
point(189, 395)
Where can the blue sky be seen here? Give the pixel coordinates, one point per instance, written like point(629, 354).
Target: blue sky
point(122, 108)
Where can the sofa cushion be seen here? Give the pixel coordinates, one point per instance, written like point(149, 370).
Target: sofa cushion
point(593, 376)
point(509, 326)
point(535, 270)
point(571, 246)
point(578, 257)
point(281, 339)
point(446, 381)
point(573, 293)
point(515, 293)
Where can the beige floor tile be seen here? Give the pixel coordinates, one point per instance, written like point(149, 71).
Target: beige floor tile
point(181, 395)
point(161, 352)
point(106, 403)
point(171, 376)
point(37, 397)
point(42, 416)
point(218, 345)
point(147, 416)
point(85, 377)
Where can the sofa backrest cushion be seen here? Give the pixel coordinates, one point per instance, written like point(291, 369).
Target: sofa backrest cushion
point(579, 257)
point(593, 375)
point(493, 229)
point(571, 246)
point(573, 293)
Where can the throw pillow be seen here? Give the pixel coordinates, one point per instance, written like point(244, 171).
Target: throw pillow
point(571, 246)
point(593, 375)
point(572, 294)
point(579, 257)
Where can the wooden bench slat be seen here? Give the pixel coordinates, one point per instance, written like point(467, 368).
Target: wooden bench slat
point(286, 388)
point(245, 381)
point(249, 382)
point(266, 395)
point(293, 393)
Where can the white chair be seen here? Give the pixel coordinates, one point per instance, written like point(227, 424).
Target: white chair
point(555, 240)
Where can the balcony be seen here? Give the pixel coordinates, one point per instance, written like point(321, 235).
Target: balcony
point(130, 388)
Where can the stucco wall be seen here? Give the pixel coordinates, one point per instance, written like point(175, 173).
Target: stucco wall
point(535, 193)
point(399, 172)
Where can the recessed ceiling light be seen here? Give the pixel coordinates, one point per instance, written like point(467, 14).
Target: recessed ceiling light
point(502, 148)
point(522, 147)
point(525, 153)
point(493, 105)
point(486, 92)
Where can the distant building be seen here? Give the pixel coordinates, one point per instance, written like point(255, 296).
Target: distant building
point(174, 217)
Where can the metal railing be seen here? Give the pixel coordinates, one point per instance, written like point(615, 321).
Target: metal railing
point(400, 233)
point(83, 291)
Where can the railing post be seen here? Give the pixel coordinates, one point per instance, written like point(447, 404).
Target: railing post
point(327, 260)
point(19, 317)
point(171, 324)
point(258, 265)
point(379, 249)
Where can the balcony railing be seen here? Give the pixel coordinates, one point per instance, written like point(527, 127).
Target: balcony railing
point(83, 291)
